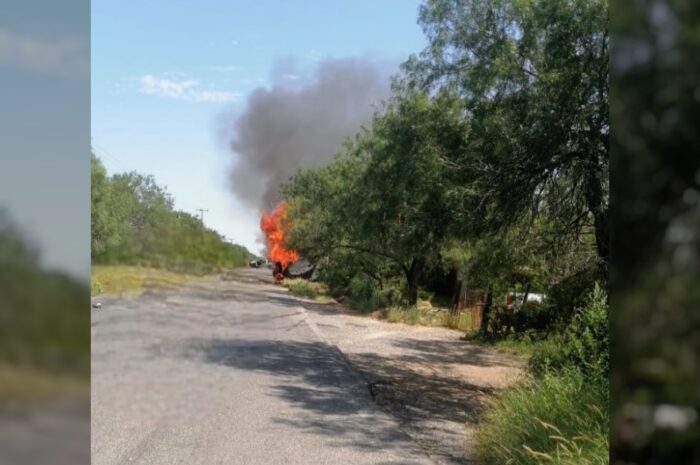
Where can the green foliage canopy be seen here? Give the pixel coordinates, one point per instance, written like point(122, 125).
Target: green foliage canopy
point(533, 77)
point(134, 222)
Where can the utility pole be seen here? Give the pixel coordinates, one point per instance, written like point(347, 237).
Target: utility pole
point(201, 219)
point(201, 214)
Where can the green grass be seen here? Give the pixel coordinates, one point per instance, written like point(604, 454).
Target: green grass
point(558, 419)
point(122, 279)
point(311, 290)
point(526, 344)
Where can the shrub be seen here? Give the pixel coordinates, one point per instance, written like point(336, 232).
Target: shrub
point(95, 286)
point(390, 296)
point(550, 355)
point(559, 419)
point(589, 338)
point(584, 345)
point(337, 276)
point(572, 293)
point(536, 316)
point(424, 294)
point(361, 292)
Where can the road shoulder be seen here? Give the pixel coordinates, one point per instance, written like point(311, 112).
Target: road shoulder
point(433, 383)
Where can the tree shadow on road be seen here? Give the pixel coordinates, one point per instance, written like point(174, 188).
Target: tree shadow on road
point(332, 399)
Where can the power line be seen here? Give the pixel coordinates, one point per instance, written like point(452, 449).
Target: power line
point(102, 152)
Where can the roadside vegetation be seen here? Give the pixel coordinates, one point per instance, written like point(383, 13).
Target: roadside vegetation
point(560, 414)
point(425, 313)
point(124, 279)
point(44, 323)
point(135, 225)
point(308, 289)
point(486, 172)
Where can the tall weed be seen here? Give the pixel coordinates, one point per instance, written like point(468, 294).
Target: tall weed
point(558, 418)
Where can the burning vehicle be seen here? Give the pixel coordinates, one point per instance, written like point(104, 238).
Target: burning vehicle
point(286, 263)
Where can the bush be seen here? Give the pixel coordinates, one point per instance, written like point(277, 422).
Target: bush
point(337, 277)
point(362, 293)
point(589, 338)
point(584, 345)
point(536, 316)
point(424, 294)
point(390, 296)
point(572, 293)
point(560, 419)
point(95, 286)
point(550, 355)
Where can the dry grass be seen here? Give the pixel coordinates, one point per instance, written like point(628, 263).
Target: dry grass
point(23, 383)
point(425, 314)
point(311, 290)
point(120, 279)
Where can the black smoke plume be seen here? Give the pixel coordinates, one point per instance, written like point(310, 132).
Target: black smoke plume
point(284, 128)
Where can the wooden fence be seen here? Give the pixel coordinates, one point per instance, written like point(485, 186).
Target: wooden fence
point(472, 302)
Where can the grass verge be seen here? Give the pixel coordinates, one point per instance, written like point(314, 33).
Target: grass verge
point(121, 279)
point(423, 314)
point(428, 316)
point(308, 289)
point(24, 383)
point(557, 418)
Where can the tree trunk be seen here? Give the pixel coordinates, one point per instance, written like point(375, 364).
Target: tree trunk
point(456, 294)
point(413, 274)
point(596, 205)
point(485, 316)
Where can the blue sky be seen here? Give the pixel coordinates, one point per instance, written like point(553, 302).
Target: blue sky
point(45, 132)
point(168, 75)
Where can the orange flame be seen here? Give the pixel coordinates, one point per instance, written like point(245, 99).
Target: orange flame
point(271, 224)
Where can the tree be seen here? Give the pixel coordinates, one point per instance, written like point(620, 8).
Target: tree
point(390, 193)
point(533, 77)
point(15, 250)
point(134, 222)
point(103, 233)
point(43, 322)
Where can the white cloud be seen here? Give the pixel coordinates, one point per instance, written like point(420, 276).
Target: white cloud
point(63, 56)
point(188, 89)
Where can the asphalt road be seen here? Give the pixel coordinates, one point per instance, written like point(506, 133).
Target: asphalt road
point(233, 372)
point(43, 432)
